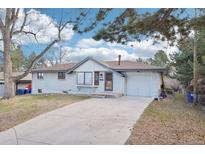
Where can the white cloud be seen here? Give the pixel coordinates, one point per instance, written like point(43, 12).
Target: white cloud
point(116, 45)
point(87, 43)
point(46, 30)
point(147, 48)
point(41, 24)
point(77, 54)
point(144, 49)
point(110, 51)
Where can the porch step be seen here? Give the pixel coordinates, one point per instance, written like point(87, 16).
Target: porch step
point(106, 95)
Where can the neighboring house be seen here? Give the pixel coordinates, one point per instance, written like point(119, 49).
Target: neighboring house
point(21, 84)
point(99, 77)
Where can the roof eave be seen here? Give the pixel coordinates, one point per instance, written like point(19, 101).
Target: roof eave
point(90, 58)
point(144, 70)
point(49, 71)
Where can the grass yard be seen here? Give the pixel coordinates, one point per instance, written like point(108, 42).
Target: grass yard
point(23, 108)
point(169, 122)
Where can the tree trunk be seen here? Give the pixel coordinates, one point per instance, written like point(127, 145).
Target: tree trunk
point(9, 86)
point(196, 72)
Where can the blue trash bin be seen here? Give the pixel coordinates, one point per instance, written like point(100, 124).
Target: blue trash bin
point(29, 91)
point(20, 91)
point(26, 91)
point(190, 97)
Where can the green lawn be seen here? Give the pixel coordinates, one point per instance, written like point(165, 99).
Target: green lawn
point(22, 108)
point(169, 122)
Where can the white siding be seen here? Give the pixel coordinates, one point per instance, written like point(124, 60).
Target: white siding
point(118, 83)
point(156, 84)
point(143, 84)
point(51, 83)
point(90, 66)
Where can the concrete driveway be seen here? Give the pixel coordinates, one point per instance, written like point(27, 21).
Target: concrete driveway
point(92, 121)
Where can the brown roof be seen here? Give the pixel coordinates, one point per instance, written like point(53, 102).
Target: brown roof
point(57, 67)
point(129, 65)
point(27, 78)
point(124, 65)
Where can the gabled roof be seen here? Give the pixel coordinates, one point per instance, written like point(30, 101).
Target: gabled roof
point(113, 65)
point(90, 58)
point(85, 60)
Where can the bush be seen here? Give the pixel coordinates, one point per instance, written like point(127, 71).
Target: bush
point(169, 91)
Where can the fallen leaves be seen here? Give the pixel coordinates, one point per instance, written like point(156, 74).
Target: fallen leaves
point(169, 122)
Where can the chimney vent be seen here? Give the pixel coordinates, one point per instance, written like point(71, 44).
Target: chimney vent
point(119, 59)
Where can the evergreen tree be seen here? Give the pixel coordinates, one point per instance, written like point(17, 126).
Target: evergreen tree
point(183, 61)
point(160, 59)
point(29, 59)
point(18, 59)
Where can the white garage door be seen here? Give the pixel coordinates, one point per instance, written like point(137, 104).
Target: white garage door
point(139, 85)
point(1, 89)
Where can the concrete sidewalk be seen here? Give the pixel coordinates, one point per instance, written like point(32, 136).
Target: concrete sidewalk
point(92, 121)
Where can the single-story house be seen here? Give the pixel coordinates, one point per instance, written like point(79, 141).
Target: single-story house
point(20, 84)
point(90, 76)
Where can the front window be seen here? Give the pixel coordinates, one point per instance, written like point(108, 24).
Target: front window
point(80, 79)
point(84, 78)
point(88, 78)
point(61, 75)
point(39, 75)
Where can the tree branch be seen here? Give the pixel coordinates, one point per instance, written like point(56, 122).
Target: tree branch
point(15, 17)
point(1, 25)
point(34, 60)
point(32, 33)
point(22, 26)
point(60, 29)
point(10, 13)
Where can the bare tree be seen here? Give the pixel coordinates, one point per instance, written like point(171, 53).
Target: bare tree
point(7, 28)
point(56, 56)
point(8, 31)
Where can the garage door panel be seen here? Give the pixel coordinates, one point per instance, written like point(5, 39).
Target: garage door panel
point(139, 85)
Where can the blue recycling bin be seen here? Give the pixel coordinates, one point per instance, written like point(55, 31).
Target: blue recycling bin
point(26, 91)
point(20, 91)
point(190, 97)
point(29, 91)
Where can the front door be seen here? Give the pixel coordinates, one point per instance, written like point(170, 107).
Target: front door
point(108, 81)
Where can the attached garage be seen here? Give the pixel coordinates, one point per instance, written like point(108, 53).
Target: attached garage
point(145, 84)
point(114, 77)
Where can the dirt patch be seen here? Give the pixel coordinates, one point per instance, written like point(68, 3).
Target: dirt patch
point(22, 108)
point(169, 122)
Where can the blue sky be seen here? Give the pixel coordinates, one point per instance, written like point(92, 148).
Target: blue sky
point(56, 14)
point(76, 45)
